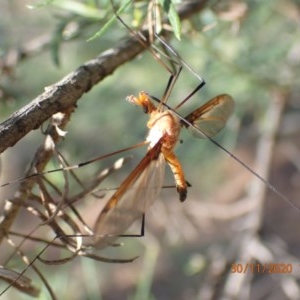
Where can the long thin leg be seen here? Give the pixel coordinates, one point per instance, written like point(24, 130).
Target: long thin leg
point(142, 233)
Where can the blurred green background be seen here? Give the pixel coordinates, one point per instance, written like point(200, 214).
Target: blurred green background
point(248, 49)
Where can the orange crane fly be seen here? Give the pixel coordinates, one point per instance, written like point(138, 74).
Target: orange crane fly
point(141, 188)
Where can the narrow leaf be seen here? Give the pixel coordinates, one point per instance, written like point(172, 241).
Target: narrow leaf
point(108, 24)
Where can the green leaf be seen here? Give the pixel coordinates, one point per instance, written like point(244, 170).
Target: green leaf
point(174, 20)
point(170, 9)
point(39, 5)
point(80, 9)
point(108, 24)
point(55, 44)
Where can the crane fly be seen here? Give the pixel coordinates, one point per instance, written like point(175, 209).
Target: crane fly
point(141, 188)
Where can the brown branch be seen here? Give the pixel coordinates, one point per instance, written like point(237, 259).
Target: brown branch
point(41, 158)
point(69, 90)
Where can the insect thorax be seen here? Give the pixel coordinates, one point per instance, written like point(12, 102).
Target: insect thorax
point(163, 124)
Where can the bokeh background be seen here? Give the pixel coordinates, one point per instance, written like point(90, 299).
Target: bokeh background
point(248, 49)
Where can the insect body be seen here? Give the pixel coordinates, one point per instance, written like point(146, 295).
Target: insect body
point(141, 188)
point(163, 124)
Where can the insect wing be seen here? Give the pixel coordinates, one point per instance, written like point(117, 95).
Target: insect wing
point(211, 117)
point(139, 190)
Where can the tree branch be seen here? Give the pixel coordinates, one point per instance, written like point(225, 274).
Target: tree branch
point(69, 90)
